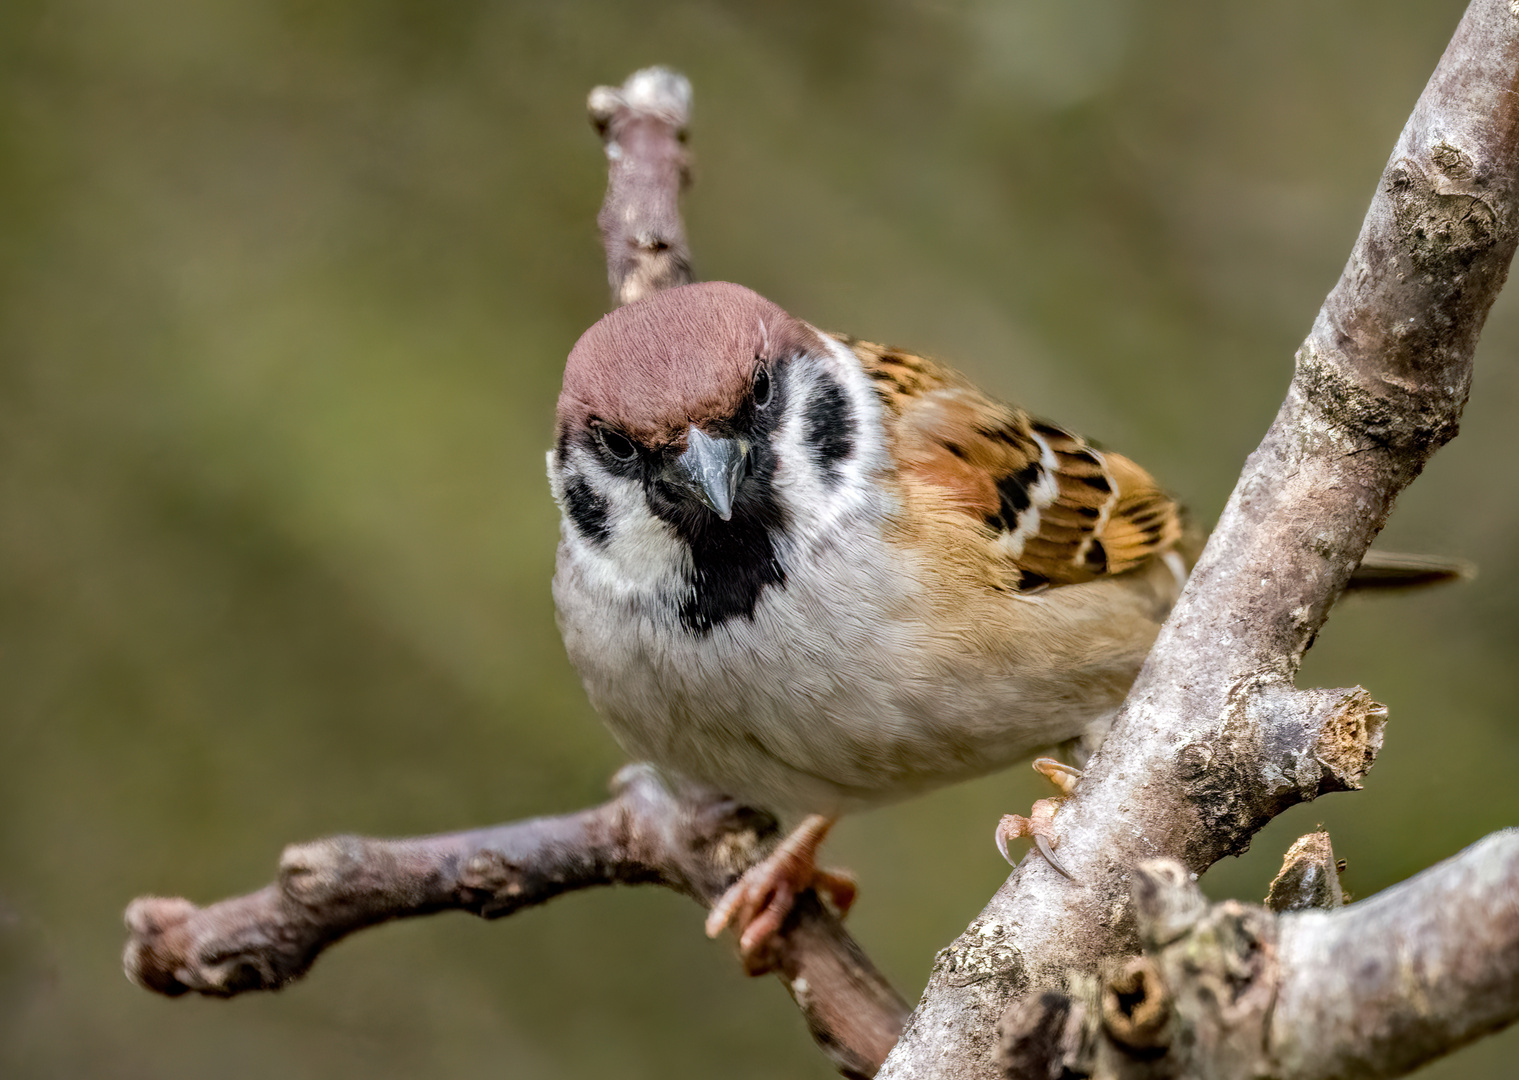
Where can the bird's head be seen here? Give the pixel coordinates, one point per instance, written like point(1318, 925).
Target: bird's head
point(708, 416)
point(681, 391)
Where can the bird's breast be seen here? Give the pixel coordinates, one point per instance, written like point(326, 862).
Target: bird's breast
point(852, 681)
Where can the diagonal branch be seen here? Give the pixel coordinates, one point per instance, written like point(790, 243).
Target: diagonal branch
point(1192, 767)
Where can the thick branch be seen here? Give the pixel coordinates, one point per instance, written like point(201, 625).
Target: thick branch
point(1410, 974)
point(644, 835)
point(1193, 765)
point(643, 127)
point(1234, 992)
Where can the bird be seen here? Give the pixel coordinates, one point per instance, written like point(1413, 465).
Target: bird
point(817, 574)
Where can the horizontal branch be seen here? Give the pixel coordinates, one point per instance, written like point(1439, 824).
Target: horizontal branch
point(1405, 976)
point(1379, 386)
point(1236, 991)
point(645, 835)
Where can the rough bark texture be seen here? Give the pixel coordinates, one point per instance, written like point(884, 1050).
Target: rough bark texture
point(330, 888)
point(1236, 992)
point(1405, 976)
point(1214, 740)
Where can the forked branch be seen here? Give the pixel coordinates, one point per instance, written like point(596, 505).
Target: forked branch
point(1234, 990)
point(1190, 770)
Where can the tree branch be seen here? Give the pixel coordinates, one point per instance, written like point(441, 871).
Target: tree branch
point(1403, 977)
point(645, 835)
point(1233, 990)
point(1193, 765)
point(329, 888)
point(643, 127)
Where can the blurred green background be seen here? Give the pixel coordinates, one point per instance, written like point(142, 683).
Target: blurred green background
point(286, 290)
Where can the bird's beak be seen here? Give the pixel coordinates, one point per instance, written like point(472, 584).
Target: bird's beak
point(710, 470)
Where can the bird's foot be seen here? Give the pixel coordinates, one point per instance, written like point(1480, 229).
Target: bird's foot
point(757, 904)
point(1039, 825)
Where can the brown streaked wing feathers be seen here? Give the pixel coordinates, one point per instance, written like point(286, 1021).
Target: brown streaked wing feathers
point(1092, 513)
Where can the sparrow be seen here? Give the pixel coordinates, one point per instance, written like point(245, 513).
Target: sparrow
point(817, 574)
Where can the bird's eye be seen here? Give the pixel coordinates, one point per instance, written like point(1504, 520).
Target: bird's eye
point(762, 388)
point(617, 444)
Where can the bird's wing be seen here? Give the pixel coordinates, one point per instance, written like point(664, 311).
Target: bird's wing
point(1056, 508)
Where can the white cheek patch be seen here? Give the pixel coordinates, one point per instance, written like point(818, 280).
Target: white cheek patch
point(646, 555)
point(637, 552)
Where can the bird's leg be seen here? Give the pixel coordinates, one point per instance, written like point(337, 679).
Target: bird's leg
point(758, 902)
point(1039, 823)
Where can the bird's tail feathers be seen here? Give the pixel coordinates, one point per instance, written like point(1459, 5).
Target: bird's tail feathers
point(1388, 570)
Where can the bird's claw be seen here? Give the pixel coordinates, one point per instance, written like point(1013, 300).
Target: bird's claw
point(757, 904)
point(1038, 826)
point(1049, 856)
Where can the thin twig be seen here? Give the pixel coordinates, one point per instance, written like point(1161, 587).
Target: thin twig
point(643, 128)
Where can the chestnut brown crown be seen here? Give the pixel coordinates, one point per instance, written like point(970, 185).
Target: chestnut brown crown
point(684, 356)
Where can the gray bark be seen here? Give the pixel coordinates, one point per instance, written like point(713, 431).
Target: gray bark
point(1232, 991)
point(1208, 746)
